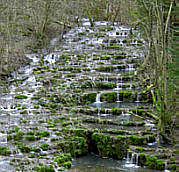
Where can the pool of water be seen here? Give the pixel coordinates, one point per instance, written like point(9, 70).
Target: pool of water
point(93, 163)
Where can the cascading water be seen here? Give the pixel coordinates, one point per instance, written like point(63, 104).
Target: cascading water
point(98, 98)
point(137, 98)
point(49, 85)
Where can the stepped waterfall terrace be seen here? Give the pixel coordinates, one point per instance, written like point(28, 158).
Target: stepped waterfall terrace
point(86, 96)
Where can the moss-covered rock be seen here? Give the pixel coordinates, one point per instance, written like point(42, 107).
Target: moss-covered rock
point(105, 85)
point(4, 151)
point(116, 111)
point(62, 158)
point(109, 97)
point(21, 97)
point(172, 167)
point(108, 146)
point(89, 98)
point(136, 140)
point(77, 145)
point(44, 146)
point(154, 163)
point(67, 164)
point(44, 168)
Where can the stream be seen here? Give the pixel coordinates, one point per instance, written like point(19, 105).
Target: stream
point(89, 82)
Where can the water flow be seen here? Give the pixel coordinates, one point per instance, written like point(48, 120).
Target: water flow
point(131, 67)
point(137, 161)
point(137, 99)
point(166, 167)
point(3, 138)
point(98, 101)
point(98, 98)
point(118, 98)
point(126, 113)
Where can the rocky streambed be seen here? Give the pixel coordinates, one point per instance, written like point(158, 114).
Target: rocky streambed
point(86, 96)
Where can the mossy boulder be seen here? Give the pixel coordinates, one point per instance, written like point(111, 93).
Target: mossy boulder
point(77, 145)
point(62, 158)
point(105, 85)
point(67, 164)
point(4, 151)
point(154, 163)
point(89, 98)
point(137, 140)
point(109, 97)
point(44, 168)
point(108, 146)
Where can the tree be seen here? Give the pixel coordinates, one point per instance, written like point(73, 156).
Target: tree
point(155, 16)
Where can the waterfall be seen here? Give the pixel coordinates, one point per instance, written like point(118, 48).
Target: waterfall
point(166, 167)
point(137, 160)
point(127, 159)
point(3, 138)
point(118, 98)
point(137, 98)
point(132, 158)
point(98, 98)
point(99, 112)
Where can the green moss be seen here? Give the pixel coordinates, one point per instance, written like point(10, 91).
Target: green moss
point(172, 159)
point(80, 132)
point(62, 158)
point(160, 165)
point(67, 164)
point(142, 159)
point(24, 148)
point(99, 35)
point(126, 94)
point(21, 97)
point(172, 167)
point(105, 85)
point(36, 106)
point(109, 97)
point(105, 58)
point(42, 134)
point(115, 47)
point(121, 55)
point(107, 146)
point(44, 168)
point(44, 146)
point(154, 163)
point(30, 138)
point(18, 136)
point(116, 111)
point(32, 155)
point(4, 151)
point(139, 149)
point(90, 98)
point(151, 161)
point(137, 140)
point(105, 68)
